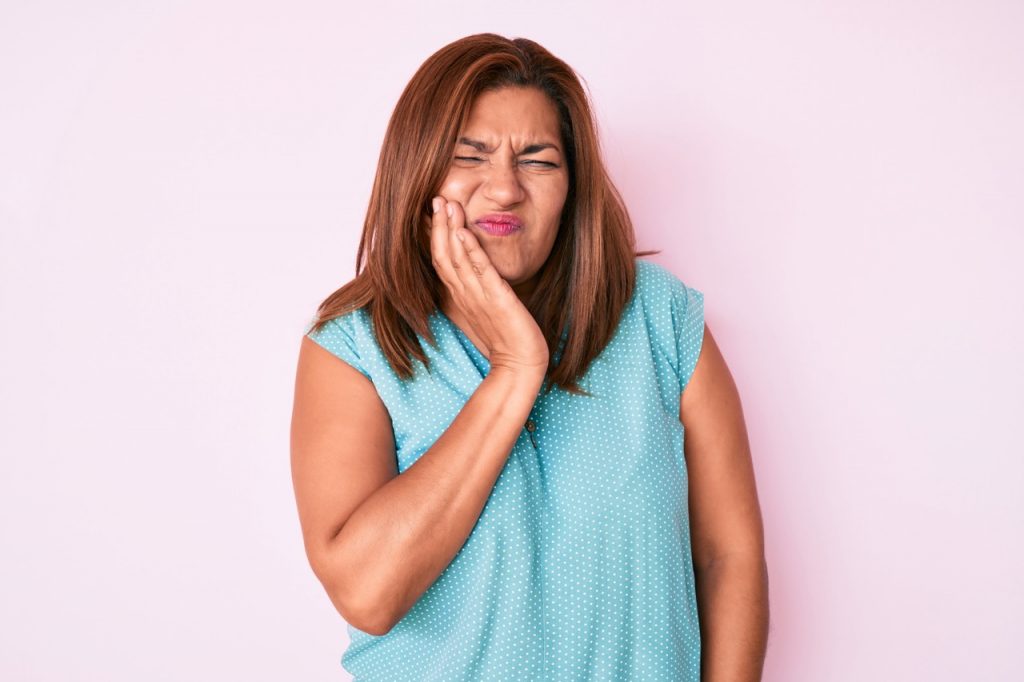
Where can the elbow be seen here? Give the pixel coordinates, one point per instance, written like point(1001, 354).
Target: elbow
point(370, 618)
point(378, 627)
point(354, 601)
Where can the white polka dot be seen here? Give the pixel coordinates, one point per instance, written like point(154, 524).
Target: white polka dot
point(579, 567)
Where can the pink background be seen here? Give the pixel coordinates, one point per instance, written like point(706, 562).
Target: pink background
point(181, 183)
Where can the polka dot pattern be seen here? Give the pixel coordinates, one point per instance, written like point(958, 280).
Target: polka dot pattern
point(579, 567)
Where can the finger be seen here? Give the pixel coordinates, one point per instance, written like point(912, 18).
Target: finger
point(460, 260)
point(439, 249)
point(478, 264)
point(456, 252)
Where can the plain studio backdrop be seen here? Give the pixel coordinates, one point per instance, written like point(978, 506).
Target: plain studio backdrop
point(181, 183)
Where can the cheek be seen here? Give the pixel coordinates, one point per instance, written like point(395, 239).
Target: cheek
point(552, 195)
point(457, 187)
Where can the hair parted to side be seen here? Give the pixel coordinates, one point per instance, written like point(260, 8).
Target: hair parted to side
point(589, 276)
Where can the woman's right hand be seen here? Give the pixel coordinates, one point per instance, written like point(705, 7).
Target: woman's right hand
point(513, 339)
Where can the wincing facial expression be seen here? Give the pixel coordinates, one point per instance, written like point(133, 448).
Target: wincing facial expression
point(509, 160)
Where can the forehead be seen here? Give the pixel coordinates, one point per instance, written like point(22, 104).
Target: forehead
point(518, 112)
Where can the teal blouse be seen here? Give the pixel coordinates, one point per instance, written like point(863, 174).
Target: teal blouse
point(579, 567)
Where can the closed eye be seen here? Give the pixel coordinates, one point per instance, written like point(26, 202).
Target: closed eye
point(477, 158)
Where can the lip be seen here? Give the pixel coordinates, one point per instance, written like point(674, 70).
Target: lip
point(499, 224)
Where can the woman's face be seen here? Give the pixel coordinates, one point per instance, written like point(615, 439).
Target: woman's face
point(509, 160)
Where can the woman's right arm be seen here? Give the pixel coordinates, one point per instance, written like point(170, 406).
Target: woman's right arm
point(375, 539)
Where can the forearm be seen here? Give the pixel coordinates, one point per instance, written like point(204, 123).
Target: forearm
point(733, 605)
point(396, 544)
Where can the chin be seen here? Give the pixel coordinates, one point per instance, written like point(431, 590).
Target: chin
point(517, 277)
point(510, 276)
point(515, 273)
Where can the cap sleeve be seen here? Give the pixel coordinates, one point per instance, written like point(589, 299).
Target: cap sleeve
point(335, 337)
point(688, 325)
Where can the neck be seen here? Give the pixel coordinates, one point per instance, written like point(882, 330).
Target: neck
point(524, 289)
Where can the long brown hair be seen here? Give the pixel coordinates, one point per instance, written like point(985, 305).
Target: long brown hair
point(589, 276)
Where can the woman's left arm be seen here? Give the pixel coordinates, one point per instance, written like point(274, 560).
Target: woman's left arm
point(727, 534)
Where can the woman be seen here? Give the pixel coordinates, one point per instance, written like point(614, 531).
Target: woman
point(492, 483)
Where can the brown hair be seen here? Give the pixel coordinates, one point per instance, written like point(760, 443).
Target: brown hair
point(589, 276)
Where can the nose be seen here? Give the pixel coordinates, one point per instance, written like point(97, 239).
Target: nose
point(502, 185)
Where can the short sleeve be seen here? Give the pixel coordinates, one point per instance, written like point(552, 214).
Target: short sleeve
point(340, 341)
point(688, 325)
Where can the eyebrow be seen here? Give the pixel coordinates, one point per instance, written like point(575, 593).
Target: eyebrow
point(531, 149)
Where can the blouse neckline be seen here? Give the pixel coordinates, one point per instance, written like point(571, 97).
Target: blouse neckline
point(463, 337)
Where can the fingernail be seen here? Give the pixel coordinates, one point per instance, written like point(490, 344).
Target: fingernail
point(449, 209)
point(461, 236)
point(436, 204)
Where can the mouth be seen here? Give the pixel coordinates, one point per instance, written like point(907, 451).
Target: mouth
point(499, 224)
